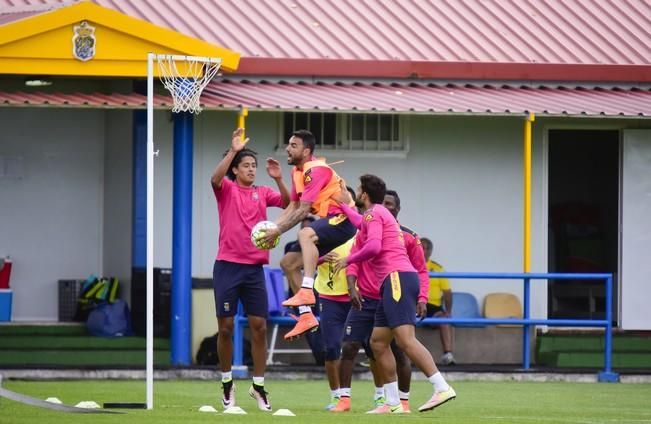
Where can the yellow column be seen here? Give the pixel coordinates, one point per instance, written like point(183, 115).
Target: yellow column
point(527, 192)
point(241, 120)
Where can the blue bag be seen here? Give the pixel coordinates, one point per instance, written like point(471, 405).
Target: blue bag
point(110, 320)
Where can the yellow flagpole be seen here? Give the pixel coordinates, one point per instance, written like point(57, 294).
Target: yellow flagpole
point(527, 192)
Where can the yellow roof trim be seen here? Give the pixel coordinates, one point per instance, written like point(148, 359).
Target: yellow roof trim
point(42, 44)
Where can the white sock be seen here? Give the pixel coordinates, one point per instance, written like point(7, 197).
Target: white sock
point(304, 309)
point(379, 392)
point(258, 381)
point(308, 283)
point(227, 376)
point(391, 392)
point(334, 393)
point(439, 383)
point(344, 392)
point(403, 395)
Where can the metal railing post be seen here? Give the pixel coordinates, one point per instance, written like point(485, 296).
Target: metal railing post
point(526, 354)
point(607, 375)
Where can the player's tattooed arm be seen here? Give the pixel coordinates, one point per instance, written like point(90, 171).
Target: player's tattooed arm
point(293, 217)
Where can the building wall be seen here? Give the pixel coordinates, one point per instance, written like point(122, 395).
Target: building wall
point(460, 184)
point(51, 216)
point(70, 213)
point(117, 214)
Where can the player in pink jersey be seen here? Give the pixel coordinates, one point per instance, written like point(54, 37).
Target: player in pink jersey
point(360, 319)
point(381, 242)
point(237, 273)
point(417, 259)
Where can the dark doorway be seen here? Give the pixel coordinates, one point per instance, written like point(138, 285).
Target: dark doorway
point(583, 219)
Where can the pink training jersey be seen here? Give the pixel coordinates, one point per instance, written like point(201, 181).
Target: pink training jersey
point(417, 259)
point(378, 224)
point(240, 208)
point(366, 284)
point(319, 178)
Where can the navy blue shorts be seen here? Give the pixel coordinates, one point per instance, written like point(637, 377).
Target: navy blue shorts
point(233, 282)
point(434, 309)
point(333, 316)
point(359, 324)
point(332, 231)
point(399, 309)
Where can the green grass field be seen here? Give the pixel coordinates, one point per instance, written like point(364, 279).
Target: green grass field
point(477, 402)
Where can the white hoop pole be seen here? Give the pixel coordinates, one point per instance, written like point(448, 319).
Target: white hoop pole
point(150, 232)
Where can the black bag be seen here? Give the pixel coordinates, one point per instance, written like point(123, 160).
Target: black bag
point(207, 353)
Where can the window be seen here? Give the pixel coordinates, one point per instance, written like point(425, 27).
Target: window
point(322, 125)
point(361, 133)
point(373, 132)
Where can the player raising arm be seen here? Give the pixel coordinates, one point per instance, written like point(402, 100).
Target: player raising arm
point(237, 273)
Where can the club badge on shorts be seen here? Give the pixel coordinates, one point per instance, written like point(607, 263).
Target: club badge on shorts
point(227, 307)
point(396, 291)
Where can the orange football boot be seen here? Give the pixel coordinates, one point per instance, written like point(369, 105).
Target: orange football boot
point(306, 322)
point(304, 297)
point(343, 405)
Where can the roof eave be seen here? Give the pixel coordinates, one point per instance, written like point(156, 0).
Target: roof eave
point(442, 70)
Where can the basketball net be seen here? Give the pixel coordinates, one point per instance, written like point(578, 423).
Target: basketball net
point(185, 77)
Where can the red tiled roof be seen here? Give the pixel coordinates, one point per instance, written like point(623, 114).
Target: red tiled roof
point(20, 11)
point(379, 97)
point(95, 100)
point(504, 31)
point(429, 98)
point(453, 39)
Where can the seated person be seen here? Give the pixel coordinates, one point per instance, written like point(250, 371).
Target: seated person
point(439, 290)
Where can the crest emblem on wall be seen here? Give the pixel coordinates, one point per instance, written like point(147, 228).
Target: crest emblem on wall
point(83, 42)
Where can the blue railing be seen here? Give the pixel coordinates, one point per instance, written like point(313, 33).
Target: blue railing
point(607, 375)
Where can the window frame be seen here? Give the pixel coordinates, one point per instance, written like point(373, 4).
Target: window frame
point(345, 145)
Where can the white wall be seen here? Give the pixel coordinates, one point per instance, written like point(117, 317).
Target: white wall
point(51, 218)
point(636, 236)
point(118, 202)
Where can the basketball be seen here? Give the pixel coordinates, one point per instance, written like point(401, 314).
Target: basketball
point(257, 233)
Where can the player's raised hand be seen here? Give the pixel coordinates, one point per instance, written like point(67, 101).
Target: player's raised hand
point(273, 168)
point(343, 196)
point(237, 144)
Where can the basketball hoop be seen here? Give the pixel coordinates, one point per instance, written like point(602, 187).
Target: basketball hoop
point(185, 77)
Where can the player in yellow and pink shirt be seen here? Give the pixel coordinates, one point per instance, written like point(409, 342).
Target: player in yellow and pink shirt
point(314, 185)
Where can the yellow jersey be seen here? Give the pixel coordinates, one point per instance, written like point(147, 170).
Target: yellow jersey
point(436, 285)
point(326, 281)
